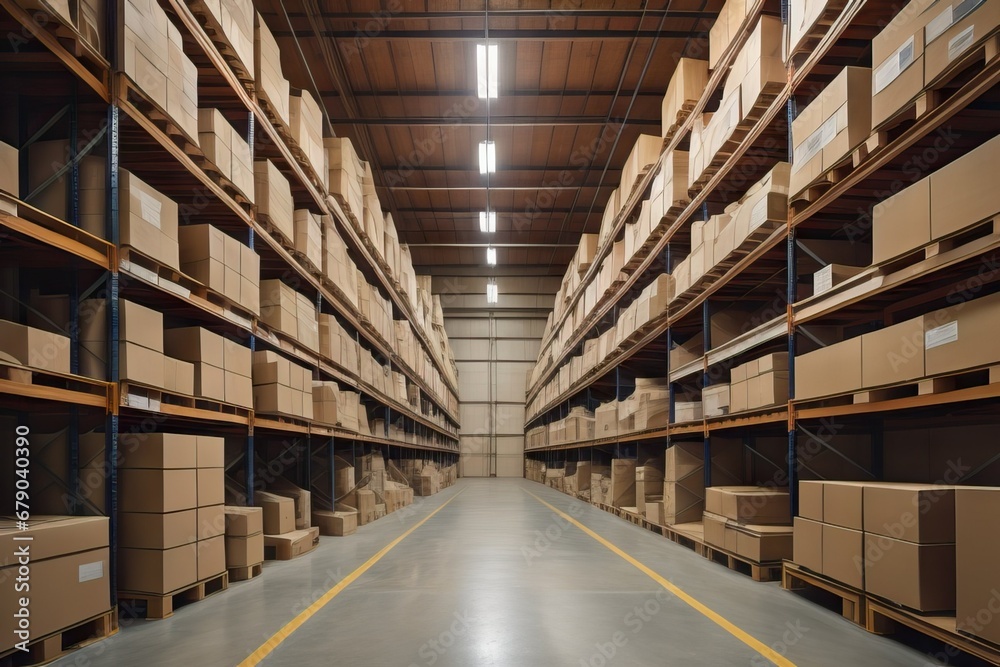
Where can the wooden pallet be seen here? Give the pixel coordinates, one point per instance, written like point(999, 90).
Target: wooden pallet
point(831, 10)
point(965, 239)
point(679, 120)
point(136, 98)
point(883, 618)
point(144, 397)
point(49, 648)
point(245, 573)
point(162, 606)
point(756, 571)
point(18, 374)
point(795, 577)
point(285, 134)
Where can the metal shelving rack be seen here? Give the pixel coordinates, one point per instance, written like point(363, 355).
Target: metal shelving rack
point(968, 96)
point(138, 137)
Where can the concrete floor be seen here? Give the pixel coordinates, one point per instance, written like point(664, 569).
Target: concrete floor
point(495, 578)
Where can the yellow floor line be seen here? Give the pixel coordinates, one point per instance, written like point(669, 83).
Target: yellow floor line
point(281, 635)
point(729, 627)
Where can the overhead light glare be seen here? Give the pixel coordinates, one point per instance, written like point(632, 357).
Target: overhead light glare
point(492, 294)
point(487, 157)
point(491, 256)
point(487, 70)
point(487, 221)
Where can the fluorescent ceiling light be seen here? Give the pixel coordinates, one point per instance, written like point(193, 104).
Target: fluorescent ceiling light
point(491, 256)
point(487, 70)
point(492, 294)
point(487, 157)
point(487, 221)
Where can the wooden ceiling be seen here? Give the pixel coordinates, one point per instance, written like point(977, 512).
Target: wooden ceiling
point(579, 81)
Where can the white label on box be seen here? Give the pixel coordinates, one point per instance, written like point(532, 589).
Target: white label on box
point(960, 42)
point(942, 335)
point(893, 66)
point(150, 209)
point(823, 280)
point(91, 571)
point(759, 214)
point(939, 24)
point(817, 141)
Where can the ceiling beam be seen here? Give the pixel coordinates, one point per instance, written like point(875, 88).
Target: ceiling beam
point(553, 14)
point(492, 245)
point(493, 188)
point(475, 169)
point(506, 93)
point(495, 35)
point(500, 121)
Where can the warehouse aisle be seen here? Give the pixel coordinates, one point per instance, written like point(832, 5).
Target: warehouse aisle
point(496, 578)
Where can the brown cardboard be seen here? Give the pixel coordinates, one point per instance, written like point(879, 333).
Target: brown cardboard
point(157, 490)
point(834, 369)
point(922, 513)
point(715, 529)
point(942, 50)
point(902, 222)
point(211, 557)
point(244, 551)
point(52, 536)
point(843, 504)
point(339, 524)
point(157, 571)
point(811, 500)
point(807, 547)
point(211, 486)
point(194, 344)
point(244, 521)
point(157, 450)
point(178, 376)
point(211, 451)
point(977, 542)
point(302, 498)
point(211, 521)
point(157, 530)
point(763, 544)
point(964, 192)
point(623, 482)
point(832, 275)
point(279, 512)
point(767, 389)
point(9, 166)
point(35, 348)
point(962, 336)
point(756, 505)
point(148, 220)
point(893, 354)
point(918, 576)
point(291, 545)
point(843, 555)
point(898, 61)
point(209, 381)
point(140, 365)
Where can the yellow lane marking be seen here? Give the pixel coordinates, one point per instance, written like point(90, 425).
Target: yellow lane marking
point(284, 633)
point(729, 627)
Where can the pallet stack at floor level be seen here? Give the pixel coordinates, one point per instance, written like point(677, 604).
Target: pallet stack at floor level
point(244, 541)
point(749, 521)
point(283, 513)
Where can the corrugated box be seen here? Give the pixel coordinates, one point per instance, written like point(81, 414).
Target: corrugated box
point(623, 482)
point(807, 547)
point(687, 84)
point(918, 576)
point(157, 451)
point(763, 544)
point(962, 336)
point(843, 504)
point(35, 348)
point(898, 61)
point(977, 543)
point(157, 530)
point(753, 505)
point(278, 512)
point(844, 555)
point(921, 513)
point(306, 121)
point(964, 192)
point(811, 500)
point(953, 30)
point(834, 369)
point(832, 275)
point(893, 354)
point(244, 521)
point(157, 571)
point(244, 551)
point(211, 557)
point(902, 223)
point(148, 220)
point(274, 198)
point(267, 65)
point(146, 490)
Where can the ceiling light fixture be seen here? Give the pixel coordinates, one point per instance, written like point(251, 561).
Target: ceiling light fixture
point(492, 293)
point(487, 70)
point(487, 157)
point(491, 256)
point(487, 221)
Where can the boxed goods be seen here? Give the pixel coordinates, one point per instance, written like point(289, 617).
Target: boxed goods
point(272, 86)
point(687, 84)
point(274, 198)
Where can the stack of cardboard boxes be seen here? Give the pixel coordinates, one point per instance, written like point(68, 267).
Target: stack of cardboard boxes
point(621, 491)
point(324, 402)
point(645, 153)
point(272, 87)
point(337, 345)
point(227, 150)
point(70, 575)
point(153, 56)
point(222, 264)
point(235, 19)
point(281, 387)
point(45, 159)
point(282, 540)
point(346, 176)
point(308, 237)
point(872, 537)
point(148, 221)
point(749, 521)
point(34, 348)
point(171, 523)
point(244, 540)
point(757, 384)
point(649, 491)
point(338, 267)
point(273, 195)
point(222, 367)
point(726, 29)
point(687, 85)
point(290, 312)
point(306, 121)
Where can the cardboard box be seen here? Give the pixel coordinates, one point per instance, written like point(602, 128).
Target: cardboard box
point(715, 400)
point(157, 571)
point(687, 84)
point(918, 576)
point(178, 376)
point(977, 517)
point(301, 497)
point(211, 521)
point(34, 347)
point(921, 513)
point(811, 500)
point(211, 557)
point(9, 167)
point(243, 521)
point(843, 504)
point(963, 193)
point(157, 491)
point(754, 505)
point(623, 483)
point(209, 382)
point(893, 354)
point(148, 220)
point(832, 275)
point(898, 61)
point(339, 523)
point(267, 67)
point(274, 198)
point(947, 39)
point(278, 514)
point(767, 389)
point(291, 545)
point(244, 550)
point(211, 486)
point(211, 451)
point(835, 369)
point(194, 344)
point(902, 223)
point(962, 336)
point(43, 158)
point(807, 544)
point(763, 544)
point(157, 450)
point(141, 365)
point(157, 530)
point(844, 555)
